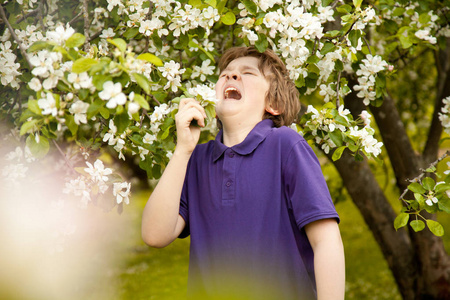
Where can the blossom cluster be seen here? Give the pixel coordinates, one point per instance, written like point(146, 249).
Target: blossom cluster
point(333, 128)
point(369, 68)
point(96, 180)
point(9, 68)
point(444, 115)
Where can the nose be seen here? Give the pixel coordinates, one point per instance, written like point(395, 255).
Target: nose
point(233, 75)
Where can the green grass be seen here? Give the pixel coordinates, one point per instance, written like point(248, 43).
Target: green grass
point(142, 272)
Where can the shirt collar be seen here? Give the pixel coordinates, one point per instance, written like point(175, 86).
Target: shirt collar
point(253, 139)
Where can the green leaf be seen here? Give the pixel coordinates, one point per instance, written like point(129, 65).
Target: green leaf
point(250, 6)
point(300, 82)
point(405, 41)
point(211, 2)
point(119, 43)
point(229, 18)
point(76, 40)
point(442, 187)
point(416, 188)
point(354, 36)
point(398, 11)
point(262, 43)
point(336, 137)
point(142, 81)
point(444, 205)
point(435, 227)
point(104, 112)
point(151, 58)
point(39, 45)
point(345, 9)
point(339, 65)
point(338, 153)
point(39, 150)
point(94, 108)
point(83, 64)
point(122, 121)
point(417, 225)
point(428, 183)
point(313, 59)
point(401, 220)
point(27, 126)
point(357, 3)
point(141, 101)
point(34, 107)
point(210, 112)
point(165, 134)
point(424, 18)
point(328, 47)
point(420, 199)
point(70, 122)
point(196, 3)
point(131, 32)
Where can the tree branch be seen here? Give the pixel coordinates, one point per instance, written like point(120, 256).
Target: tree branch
point(396, 141)
point(85, 10)
point(15, 37)
point(442, 62)
point(418, 178)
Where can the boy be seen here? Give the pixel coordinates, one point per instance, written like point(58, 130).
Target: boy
point(254, 201)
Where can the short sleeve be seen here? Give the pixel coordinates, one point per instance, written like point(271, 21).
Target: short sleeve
point(184, 208)
point(305, 186)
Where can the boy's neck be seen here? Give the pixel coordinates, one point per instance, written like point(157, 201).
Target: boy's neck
point(236, 133)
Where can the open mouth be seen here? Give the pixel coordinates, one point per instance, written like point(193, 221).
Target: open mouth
point(232, 93)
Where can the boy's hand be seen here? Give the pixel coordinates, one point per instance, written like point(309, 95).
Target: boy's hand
point(188, 132)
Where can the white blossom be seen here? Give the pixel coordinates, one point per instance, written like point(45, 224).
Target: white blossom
point(122, 192)
point(48, 105)
point(79, 110)
point(113, 93)
point(98, 171)
point(203, 71)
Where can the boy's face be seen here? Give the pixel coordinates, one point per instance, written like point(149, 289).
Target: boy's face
point(241, 92)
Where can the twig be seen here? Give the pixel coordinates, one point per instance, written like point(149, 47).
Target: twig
point(348, 31)
point(13, 34)
point(367, 44)
point(67, 161)
point(41, 14)
point(85, 10)
point(25, 16)
point(418, 178)
point(75, 19)
point(156, 100)
point(337, 90)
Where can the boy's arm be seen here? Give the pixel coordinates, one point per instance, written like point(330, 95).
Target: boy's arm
point(161, 221)
point(329, 261)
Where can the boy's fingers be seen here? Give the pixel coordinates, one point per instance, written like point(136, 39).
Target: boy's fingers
point(190, 113)
point(188, 103)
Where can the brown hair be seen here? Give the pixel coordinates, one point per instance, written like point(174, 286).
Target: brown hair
point(282, 95)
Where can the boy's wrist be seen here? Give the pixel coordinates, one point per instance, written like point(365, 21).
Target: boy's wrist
point(181, 153)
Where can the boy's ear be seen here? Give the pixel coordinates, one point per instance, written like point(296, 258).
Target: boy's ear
point(272, 111)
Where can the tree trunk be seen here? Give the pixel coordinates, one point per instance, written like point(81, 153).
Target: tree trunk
point(379, 216)
point(418, 261)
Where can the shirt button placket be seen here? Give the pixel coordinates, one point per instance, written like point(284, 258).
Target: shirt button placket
point(229, 175)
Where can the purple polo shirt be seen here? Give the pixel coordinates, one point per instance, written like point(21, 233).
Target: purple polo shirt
point(245, 209)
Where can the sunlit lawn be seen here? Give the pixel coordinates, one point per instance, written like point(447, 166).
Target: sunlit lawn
point(145, 273)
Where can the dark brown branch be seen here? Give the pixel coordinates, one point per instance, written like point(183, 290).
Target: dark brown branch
point(404, 161)
point(442, 62)
point(85, 10)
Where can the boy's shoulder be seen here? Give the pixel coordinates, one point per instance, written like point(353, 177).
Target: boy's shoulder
point(286, 136)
